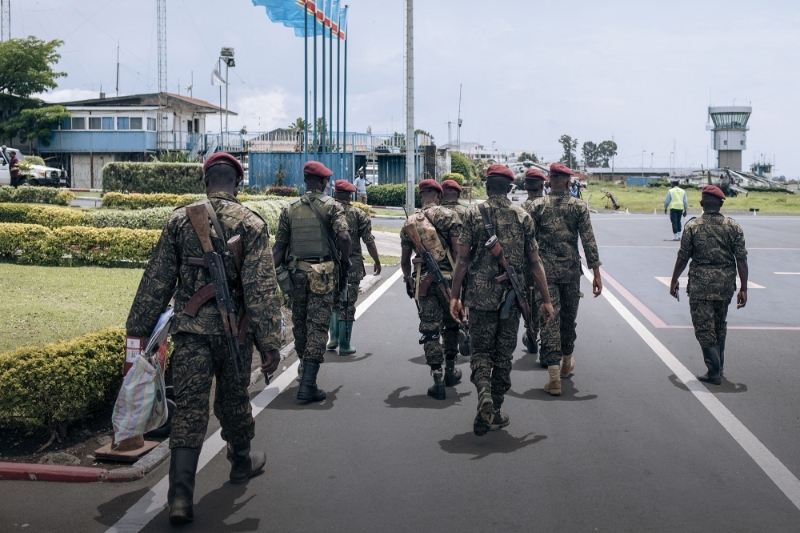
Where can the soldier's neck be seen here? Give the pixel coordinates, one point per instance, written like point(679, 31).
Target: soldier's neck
point(232, 191)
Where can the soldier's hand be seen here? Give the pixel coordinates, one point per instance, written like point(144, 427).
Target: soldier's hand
point(741, 299)
point(597, 286)
point(456, 310)
point(684, 214)
point(674, 286)
point(345, 264)
point(272, 359)
point(410, 287)
point(377, 268)
point(548, 315)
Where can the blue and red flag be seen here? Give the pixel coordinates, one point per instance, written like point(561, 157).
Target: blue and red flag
point(293, 13)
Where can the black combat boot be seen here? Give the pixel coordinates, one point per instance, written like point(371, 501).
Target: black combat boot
point(308, 391)
point(499, 418)
point(485, 417)
point(711, 358)
point(244, 463)
point(452, 375)
point(437, 389)
point(180, 497)
point(721, 347)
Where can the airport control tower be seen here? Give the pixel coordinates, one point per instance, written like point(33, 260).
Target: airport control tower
point(730, 134)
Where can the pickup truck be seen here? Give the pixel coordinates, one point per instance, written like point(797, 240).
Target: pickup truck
point(37, 175)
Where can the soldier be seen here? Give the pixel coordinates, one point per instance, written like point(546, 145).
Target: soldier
point(344, 313)
point(560, 219)
point(312, 236)
point(494, 338)
point(201, 351)
point(438, 228)
point(678, 204)
point(451, 192)
point(715, 244)
point(534, 186)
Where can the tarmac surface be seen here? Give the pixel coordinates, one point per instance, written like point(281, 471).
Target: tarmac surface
point(633, 444)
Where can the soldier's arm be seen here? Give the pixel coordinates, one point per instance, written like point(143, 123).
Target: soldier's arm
point(740, 252)
point(281, 238)
point(338, 222)
point(590, 249)
point(684, 254)
point(365, 231)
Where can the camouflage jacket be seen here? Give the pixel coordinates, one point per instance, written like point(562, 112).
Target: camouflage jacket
point(448, 224)
point(515, 230)
point(168, 268)
point(360, 230)
point(332, 211)
point(559, 220)
point(458, 207)
point(712, 242)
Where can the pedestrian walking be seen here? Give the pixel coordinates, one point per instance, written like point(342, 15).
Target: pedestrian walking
point(560, 219)
point(433, 231)
point(715, 246)
point(509, 231)
point(312, 248)
point(344, 312)
point(534, 185)
point(200, 334)
point(361, 187)
point(678, 206)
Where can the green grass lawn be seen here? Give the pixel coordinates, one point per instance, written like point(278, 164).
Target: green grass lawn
point(386, 260)
point(385, 228)
point(388, 212)
point(48, 304)
point(645, 199)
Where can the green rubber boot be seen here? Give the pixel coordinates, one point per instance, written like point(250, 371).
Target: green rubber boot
point(333, 331)
point(345, 333)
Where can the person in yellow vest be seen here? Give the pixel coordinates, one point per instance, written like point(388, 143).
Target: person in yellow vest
point(677, 204)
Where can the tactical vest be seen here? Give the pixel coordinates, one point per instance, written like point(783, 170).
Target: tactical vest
point(307, 236)
point(428, 234)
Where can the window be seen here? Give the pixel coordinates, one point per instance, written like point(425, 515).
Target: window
point(94, 123)
point(108, 123)
point(151, 124)
point(725, 143)
point(66, 124)
point(136, 123)
point(123, 123)
point(78, 123)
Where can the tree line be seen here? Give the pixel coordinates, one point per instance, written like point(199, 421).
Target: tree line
point(594, 155)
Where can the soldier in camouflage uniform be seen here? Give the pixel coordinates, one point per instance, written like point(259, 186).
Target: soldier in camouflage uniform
point(343, 316)
point(438, 227)
point(534, 186)
point(451, 192)
point(560, 219)
point(308, 250)
point(201, 351)
point(715, 245)
point(493, 338)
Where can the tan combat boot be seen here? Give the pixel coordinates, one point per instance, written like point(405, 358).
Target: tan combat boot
point(567, 366)
point(554, 385)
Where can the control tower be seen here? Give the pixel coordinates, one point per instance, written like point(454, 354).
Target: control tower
point(730, 134)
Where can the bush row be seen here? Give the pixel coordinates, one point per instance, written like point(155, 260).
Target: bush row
point(280, 190)
point(767, 189)
point(36, 195)
point(174, 178)
point(363, 207)
point(116, 200)
point(661, 183)
point(455, 176)
point(390, 195)
point(53, 385)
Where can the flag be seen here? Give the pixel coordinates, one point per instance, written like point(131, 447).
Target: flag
point(290, 13)
point(334, 19)
point(216, 76)
point(343, 23)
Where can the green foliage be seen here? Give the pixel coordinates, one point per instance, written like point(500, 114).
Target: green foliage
point(172, 157)
point(455, 176)
point(270, 211)
point(58, 217)
point(55, 384)
point(662, 183)
point(154, 218)
point(772, 190)
point(36, 195)
point(118, 200)
point(525, 156)
point(390, 195)
point(278, 190)
point(569, 145)
point(363, 207)
point(175, 178)
point(33, 123)
point(460, 164)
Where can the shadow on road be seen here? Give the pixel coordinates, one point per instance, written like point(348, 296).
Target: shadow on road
point(215, 508)
point(422, 361)
point(423, 401)
point(494, 442)
point(288, 400)
point(333, 357)
point(527, 362)
point(727, 386)
point(568, 394)
point(114, 509)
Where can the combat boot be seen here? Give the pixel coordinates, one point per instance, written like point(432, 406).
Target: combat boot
point(244, 463)
point(485, 417)
point(567, 366)
point(452, 375)
point(333, 331)
point(542, 357)
point(554, 385)
point(345, 332)
point(308, 391)
point(499, 420)
point(711, 358)
point(437, 390)
point(180, 496)
point(721, 346)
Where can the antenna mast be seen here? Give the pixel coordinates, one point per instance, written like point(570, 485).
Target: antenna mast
point(459, 117)
point(5, 31)
point(117, 68)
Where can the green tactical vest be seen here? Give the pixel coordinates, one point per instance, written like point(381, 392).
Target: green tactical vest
point(307, 236)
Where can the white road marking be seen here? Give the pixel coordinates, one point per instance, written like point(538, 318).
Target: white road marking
point(684, 280)
point(153, 502)
point(771, 465)
point(788, 273)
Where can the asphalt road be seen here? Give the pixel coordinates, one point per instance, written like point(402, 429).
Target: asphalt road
point(633, 444)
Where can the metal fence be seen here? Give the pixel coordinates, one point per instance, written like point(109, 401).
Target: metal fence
point(264, 167)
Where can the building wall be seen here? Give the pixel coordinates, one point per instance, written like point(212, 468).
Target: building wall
point(731, 159)
point(86, 170)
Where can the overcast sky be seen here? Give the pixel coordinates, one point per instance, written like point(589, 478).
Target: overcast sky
point(642, 71)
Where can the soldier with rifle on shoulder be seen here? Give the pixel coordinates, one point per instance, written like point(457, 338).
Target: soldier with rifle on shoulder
point(534, 186)
point(496, 245)
point(451, 192)
point(214, 258)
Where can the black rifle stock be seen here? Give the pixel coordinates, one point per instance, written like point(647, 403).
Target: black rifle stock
point(516, 295)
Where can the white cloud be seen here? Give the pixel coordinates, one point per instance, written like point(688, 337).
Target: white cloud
point(263, 111)
point(68, 95)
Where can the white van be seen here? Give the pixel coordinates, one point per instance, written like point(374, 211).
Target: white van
point(38, 174)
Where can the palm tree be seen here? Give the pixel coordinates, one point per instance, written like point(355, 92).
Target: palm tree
point(298, 128)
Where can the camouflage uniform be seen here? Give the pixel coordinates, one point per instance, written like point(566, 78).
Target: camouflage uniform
point(527, 205)
point(201, 351)
point(311, 312)
point(434, 309)
point(360, 230)
point(713, 243)
point(493, 339)
point(456, 206)
point(559, 220)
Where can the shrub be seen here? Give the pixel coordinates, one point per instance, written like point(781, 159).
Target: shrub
point(363, 207)
point(455, 176)
point(662, 183)
point(64, 197)
point(280, 190)
point(270, 211)
point(36, 195)
point(390, 195)
point(459, 163)
point(55, 384)
point(119, 200)
point(175, 178)
point(767, 189)
point(155, 218)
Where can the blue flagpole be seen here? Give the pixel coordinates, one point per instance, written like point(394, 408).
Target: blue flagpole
point(347, 170)
point(339, 99)
point(323, 128)
point(316, 131)
point(330, 88)
point(305, 93)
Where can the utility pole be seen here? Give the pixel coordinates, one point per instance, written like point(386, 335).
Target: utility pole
point(458, 133)
point(161, 26)
point(5, 20)
point(117, 88)
point(410, 141)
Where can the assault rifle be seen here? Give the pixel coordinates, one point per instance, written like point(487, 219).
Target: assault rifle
point(516, 295)
point(430, 263)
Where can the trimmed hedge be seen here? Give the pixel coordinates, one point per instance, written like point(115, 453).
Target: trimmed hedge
point(270, 211)
point(55, 384)
point(455, 176)
point(280, 190)
point(662, 183)
point(363, 207)
point(116, 200)
point(36, 195)
point(390, 195)
point(768, 189)
point(174, 178)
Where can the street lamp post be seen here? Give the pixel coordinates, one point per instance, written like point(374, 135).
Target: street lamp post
point(226, 55)
point(643, 152)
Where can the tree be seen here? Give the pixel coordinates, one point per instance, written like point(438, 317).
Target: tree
point(460, 164)
point(569, 144)
point(590, 154)
point(423, 132)
point(525, 156)
point(26, 68)
point(605, 151)
point(298, 128)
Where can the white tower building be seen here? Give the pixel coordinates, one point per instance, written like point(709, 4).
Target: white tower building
point(730, 134)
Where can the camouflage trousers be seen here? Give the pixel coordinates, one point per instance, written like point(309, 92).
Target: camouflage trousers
point(311, 317)
point(558, 339)
point(709, 320)
point(435, 319)
point(349, 313)
point(195, 361)
point(493, 344)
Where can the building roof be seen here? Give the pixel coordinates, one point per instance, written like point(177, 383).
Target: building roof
point(633, 171)
point(152, 99)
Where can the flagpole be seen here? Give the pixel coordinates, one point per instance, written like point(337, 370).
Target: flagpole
point(305, 93)
point(323, 128)
point(344, 115)
point(316, 130)
point(410, 144)
point(338, 95)
point(330, 85)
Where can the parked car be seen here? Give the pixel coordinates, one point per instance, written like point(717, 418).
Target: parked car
point(36, 175)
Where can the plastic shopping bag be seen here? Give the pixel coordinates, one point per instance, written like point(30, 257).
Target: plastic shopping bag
point(141, 405)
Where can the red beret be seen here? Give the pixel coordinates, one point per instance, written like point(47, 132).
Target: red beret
point(224, 158)
point(534, 173)
point(425, 185)
point(344, 186)
point(557, 169)
point(451, 184)
point(315, 168)
point(500, 170)
point(713, 190)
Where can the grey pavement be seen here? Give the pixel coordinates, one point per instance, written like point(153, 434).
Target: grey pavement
point(388, 243)
point(627, 447)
